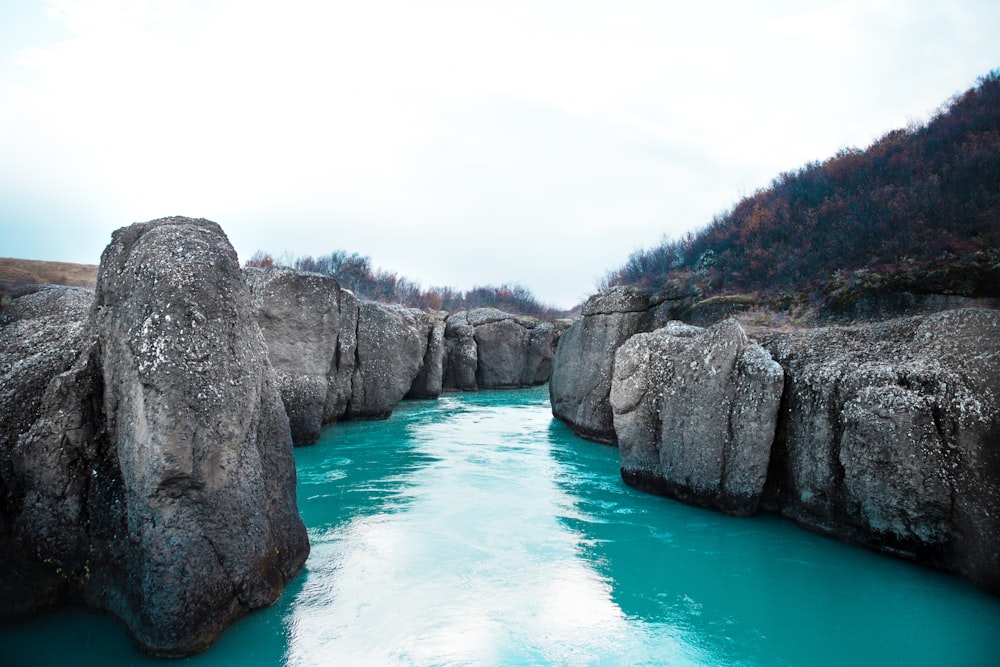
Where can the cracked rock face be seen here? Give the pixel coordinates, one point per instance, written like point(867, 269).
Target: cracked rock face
point(695, 413)
point(41, 336)
point(310, 325)
point(487, 348)
point(580, 385)
point(891, 437)
point(392, 342)
point(157, 481)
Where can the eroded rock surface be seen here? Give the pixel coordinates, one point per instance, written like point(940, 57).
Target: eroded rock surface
point(511, 351)
point(487, 348)
point(157, 480)
point(310, 326)
point(695, 413)
point(582, 367)
point(41, 336)
point(890, 437)
point(392, 342)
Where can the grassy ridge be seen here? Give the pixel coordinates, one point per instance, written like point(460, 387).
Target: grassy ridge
point(919, 209)
point(16, 274)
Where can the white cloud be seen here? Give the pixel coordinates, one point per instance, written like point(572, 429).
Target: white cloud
point(566, 133)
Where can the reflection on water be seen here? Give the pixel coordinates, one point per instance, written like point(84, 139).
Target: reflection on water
point(477, 530)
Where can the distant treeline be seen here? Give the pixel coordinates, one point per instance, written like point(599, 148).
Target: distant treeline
point(355, 272)
point(928, 193)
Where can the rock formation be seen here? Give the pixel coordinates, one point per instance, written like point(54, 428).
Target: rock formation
point(461, 355)
point(429, 382)
point(338, 357)
point(695, 413)
point(511, 351)
point(392, 342)
point(890, 437)
point(580, 382)
point(487, 348)
point(310, 326)
point(41, 335)
point(156, 480)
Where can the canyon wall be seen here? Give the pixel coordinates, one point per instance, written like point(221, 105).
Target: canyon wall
point(146, 458)
point(885, 435)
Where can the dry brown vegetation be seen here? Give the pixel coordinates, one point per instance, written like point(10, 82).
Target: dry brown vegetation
point(16, 274)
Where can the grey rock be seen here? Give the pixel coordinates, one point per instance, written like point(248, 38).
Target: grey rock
point(309, 325)
point(580, 382)
point(486, 348)
point(618, 299)
point(429, 382)
point(392, 342)
point(511, 351)
point(461, 354)
point(890, 437)
point(41, 336)
point(695, 414)
point(157, 481)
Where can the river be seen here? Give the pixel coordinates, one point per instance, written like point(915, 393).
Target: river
point(477, 530)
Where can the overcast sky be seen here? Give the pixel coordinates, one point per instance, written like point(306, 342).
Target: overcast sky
point(458, 143)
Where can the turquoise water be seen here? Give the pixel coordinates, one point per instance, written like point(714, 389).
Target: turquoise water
point(477, 530)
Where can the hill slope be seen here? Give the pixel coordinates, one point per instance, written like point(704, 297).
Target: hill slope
point(19, 273)
point(919, 209)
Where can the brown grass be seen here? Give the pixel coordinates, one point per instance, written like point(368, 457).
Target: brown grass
point(19, 272)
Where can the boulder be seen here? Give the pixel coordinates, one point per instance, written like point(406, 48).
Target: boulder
point(41, 335)
point(511, 351)
point(461, 356)
point(582, 366)
point(695, 413)
point(487, 348)
point(392, 342)
point(157, 481)
point(890, 437)
point(309, 325)
point(429, 382)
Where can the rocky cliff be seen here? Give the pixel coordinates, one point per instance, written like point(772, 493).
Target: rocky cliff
point(890, 437)
point(695, 413)
point(580, 384)
point(489, 349)
point(310, 326)
point(885, 435)
point(337, 357)
point(151, 474)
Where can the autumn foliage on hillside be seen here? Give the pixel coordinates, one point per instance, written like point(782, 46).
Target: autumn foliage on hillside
point(927, 194)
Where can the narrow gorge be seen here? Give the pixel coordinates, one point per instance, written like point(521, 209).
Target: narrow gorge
point(146, 449)
point(885, 435)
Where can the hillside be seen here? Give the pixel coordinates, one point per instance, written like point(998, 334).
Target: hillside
point(17, 274)
point(918, 212)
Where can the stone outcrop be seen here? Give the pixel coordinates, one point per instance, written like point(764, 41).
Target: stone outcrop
point(890, 437)
point(392, 342)
point(511, 351)
point(310, 326)
point(429, 382)
point(487, 348)
point(887, 435)
point(695, 413)
point(580, 383)
point(338, 357)
point(461, 355)
point(41, 335)
point(156, 479)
